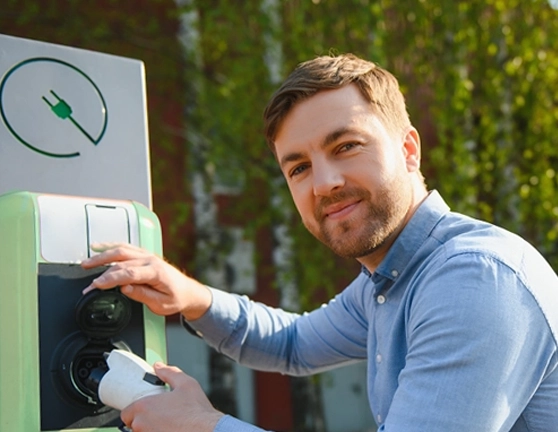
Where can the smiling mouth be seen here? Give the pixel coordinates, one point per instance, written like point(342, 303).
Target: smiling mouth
point(340, 211)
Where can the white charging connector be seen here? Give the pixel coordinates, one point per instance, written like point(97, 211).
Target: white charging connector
point(128, 379)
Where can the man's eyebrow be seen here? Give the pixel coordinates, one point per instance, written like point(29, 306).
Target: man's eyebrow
point(290, 157)
point(329, 139)
point(336, 134)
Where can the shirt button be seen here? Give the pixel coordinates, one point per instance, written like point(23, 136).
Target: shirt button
point(378, 358)
point(394, 273)
point(381, 299)
point(379, 417)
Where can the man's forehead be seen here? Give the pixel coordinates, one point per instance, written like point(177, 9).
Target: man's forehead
point(321, 115)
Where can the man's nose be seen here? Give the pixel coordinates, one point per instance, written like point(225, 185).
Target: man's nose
point(326, 178)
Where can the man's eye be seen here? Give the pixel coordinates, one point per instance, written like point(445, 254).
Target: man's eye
point(298, 170)
point(347, 146)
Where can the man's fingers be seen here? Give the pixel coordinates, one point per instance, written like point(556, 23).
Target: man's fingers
point(186, 408)
point(147, 295)
point(172, 375)
point(86, 290)
point(102, 247)
point(127, 416)
point(134, 272)
point(112, 252)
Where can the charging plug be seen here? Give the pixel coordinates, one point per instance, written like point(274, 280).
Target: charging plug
point(128, 379)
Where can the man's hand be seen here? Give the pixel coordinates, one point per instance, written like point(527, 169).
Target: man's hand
point(185, 408)
point(148, 279)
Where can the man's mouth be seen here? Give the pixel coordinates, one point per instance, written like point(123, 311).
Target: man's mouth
point(339, 210)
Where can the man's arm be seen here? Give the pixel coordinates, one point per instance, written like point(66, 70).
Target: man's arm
point(271, 339)
point(249, 332)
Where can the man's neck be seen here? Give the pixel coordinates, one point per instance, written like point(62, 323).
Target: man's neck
point(373, 260)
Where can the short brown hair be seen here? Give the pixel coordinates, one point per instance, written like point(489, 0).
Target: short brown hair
point(377, 85)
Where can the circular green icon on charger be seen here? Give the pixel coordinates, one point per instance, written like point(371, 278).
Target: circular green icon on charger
point(39, 95)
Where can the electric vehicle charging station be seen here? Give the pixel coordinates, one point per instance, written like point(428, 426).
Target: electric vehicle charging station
point(53, 337)
point(70, 175)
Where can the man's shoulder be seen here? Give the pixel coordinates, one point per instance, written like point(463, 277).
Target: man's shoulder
point(458, 234)
point(472, 249)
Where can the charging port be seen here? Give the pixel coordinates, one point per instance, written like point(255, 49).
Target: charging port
point(87, 371)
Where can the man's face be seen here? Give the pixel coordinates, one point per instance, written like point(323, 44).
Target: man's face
point(349, 177)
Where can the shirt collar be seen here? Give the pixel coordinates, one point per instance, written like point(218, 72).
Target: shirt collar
point(415, 233)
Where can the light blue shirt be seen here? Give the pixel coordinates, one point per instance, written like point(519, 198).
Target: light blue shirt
point(458, 326)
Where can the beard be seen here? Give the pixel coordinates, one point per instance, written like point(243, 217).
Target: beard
point(362, 234)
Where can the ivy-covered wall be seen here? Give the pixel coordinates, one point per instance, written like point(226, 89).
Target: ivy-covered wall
point(481, 83)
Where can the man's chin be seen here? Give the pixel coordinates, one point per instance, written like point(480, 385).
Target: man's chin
point(347, 246)
point(355, 253)
point(347, 250)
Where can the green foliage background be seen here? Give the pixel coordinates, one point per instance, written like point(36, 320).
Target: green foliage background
point(481, 80)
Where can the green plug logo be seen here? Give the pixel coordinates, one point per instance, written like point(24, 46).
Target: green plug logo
point(64, 111)
point(95, 122)
point(61, 109)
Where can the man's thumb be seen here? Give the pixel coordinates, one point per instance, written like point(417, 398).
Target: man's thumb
point(172, 375)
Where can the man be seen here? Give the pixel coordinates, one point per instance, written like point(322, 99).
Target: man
point(456, 318)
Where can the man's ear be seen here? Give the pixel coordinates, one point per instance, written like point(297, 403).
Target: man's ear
point(411, 149)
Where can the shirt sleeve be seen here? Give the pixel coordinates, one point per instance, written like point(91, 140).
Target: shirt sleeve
point(478, 347)
point(228, 423)
point(271, 339)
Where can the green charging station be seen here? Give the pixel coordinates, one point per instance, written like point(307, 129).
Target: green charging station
point(73, 125)
point(52, 336)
